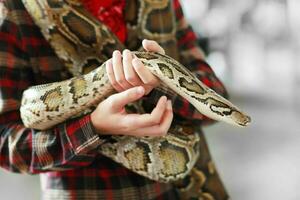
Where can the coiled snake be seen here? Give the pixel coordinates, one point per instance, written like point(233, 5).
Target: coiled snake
point(75, 35)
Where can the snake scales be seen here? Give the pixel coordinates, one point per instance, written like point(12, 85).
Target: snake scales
point(81, 41)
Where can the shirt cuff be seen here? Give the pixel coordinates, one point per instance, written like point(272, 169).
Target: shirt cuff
point(82, 136)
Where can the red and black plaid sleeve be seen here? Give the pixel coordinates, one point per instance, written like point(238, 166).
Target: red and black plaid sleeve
point(25, 58)
point(192, 57)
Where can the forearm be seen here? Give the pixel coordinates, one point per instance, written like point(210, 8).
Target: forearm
point(69, 145)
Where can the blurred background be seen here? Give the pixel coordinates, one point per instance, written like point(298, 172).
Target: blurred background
point(254, 47)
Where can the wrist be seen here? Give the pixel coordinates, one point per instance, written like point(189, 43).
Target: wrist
point(95, 122)
point(98, 124)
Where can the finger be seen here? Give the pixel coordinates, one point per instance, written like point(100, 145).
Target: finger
point(118, 70)
point(159, 109)
point(111, 76)
point(161, 129)
point(151, 45)
point(119, 100)
point(130, 74)
point(146, 120)
point(167, 118)
point(144, 74)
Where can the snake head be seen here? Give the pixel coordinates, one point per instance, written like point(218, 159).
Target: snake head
point(240, 118)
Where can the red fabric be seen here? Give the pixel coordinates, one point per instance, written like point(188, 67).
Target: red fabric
point(109, 12)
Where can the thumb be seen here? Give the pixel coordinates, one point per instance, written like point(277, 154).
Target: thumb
point(119, 100)
point(151, 45)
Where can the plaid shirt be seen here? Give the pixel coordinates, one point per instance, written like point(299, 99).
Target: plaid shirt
point(66, 156)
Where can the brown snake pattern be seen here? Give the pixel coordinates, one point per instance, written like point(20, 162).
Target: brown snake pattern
point(84, 44)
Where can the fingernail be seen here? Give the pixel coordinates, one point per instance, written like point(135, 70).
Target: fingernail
point(125, 52)
point(144, 43)
point(140, 90)
point(128, 54)
point(116, 52)
point(164, 98)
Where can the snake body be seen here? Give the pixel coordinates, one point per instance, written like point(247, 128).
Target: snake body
point(46, 105)
point(164, 159)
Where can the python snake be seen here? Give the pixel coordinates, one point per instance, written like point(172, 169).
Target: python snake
point(164, 159)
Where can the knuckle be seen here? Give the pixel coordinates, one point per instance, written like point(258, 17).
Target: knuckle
point(129, 125)
point(131, 79)
point(110, 75)
point(124, 125)
point(109, 72)
point(120, 80)
point(114, 84)
point(137, 64)
point(155, 120)
point(152, 81)
point(148, 82)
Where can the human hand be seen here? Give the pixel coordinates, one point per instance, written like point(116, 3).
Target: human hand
point(111, 118)
point(128, 71)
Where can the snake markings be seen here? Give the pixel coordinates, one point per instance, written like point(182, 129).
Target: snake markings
point(173, 157)
point(165, 69)
point(90, 64)
point(78, 89)
point(138, 156)
point(166, 17)
point(191, 86)
point(81, 41)
point(51, 97)
point(84, 31)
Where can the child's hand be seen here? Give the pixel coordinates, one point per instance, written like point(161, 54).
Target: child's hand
point(111, 118)
point(128, 71)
